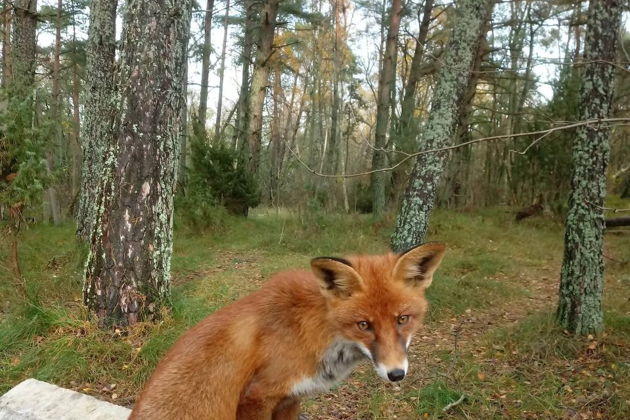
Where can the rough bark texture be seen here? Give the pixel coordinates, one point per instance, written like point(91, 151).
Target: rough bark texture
point(6, 42)
point(128, 269)
point(205, 64)
point(453, 77)
point(99, 109)
point(581, 281)
point(260, 80)
point(24, 45)
point(385, 88)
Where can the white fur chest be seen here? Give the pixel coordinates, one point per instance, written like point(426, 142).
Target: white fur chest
point(334, 366)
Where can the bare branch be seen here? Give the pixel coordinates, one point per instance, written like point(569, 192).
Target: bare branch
point(541, 133)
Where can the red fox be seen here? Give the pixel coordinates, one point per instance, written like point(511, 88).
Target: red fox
point(301, 333)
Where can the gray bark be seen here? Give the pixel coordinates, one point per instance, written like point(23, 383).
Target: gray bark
point(385, 88)
point(406, 122)
point(24, 45)
point(100, 109)
point(51, 192)
point(205, 65)
point(6, 42)
point(128, 270)
point(217, 126)
point(581, 280)
point(453, 78)
point(242, 114)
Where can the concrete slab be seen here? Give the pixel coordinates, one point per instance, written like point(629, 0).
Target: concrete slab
point(37, 400)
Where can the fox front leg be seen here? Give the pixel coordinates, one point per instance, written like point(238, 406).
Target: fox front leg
point(287, 409)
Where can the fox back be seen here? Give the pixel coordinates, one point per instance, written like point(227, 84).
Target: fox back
point(300, 334)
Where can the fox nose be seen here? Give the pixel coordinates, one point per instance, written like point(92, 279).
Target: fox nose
point(396, 375)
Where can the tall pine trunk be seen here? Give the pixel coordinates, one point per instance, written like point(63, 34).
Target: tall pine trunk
point(581, 281)
point(128, 269)
point(453, 78)
point(242, 113)
point(386, 85)
point(217, 125)
point(99, 111)
point(24, 47)
point(54, 145)
point(205, 66)
point(260, 80)
point(6, 42)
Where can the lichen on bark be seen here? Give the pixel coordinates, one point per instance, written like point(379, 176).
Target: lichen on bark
point(100, 111)
point(413, 218)
point(128, 267)
point(582, 275)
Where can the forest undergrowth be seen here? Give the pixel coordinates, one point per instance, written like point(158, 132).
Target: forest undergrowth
point(490, 347)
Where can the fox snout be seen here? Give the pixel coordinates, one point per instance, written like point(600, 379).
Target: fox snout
point(394, 372)
point(396, 375)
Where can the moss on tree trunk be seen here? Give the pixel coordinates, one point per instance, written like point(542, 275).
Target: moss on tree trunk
point(128, 268)
point(100, 109)
point(453, 77)
point(581, 282)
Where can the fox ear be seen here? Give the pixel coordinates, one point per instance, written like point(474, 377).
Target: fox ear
point(417, 265)
point(337, 276)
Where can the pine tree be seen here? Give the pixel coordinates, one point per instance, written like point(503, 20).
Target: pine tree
point(453, 78)
point(581, 281)
point(128, 268)
point(99, 108)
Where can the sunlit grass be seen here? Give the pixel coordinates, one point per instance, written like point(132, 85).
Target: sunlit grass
point(491, 260)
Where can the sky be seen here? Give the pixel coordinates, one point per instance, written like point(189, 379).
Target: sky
point(364, 44)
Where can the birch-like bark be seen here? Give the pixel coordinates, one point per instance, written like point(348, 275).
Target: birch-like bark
point(582, 276)
point(128, 270)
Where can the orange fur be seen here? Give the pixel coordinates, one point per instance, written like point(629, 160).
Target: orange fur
point(255, 358)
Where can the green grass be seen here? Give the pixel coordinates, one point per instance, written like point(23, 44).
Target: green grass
point(491, 261)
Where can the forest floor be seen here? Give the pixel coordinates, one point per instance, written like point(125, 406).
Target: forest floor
point(489, 349)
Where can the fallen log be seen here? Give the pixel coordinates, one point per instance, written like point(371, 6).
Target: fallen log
point(618, 221)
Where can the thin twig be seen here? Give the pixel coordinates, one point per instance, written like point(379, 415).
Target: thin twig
point(613, 209)
point(454, 403)
point(542, 133)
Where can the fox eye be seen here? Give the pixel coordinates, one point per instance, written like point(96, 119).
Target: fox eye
point(363, 325)
point(403, 319)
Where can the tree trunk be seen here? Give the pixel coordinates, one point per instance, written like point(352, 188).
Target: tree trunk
point(6, 42)
point(581, 280)
point(625, 189)
point(406, 121)
point(24, 45)
point(100, 109)
point(128, 268)
point(260, 80)
point(453, 78)
point(242, 114)
point(217, 127)
point(75, 147)
point(57, 140)
point(205, 66)
point(386, 86)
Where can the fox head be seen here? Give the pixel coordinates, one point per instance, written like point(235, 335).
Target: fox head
point(378, 302)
